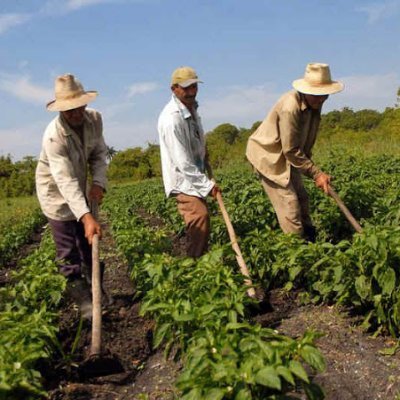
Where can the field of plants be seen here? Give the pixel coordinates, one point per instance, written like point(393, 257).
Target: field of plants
point(19, 217)
point(203, 318)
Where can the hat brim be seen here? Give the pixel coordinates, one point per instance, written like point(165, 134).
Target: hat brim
point(70, 104)
point(303, 86)
point(189, 82)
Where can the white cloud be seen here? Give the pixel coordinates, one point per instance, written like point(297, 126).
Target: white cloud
point(142, 88)
point(381, 10)
point(22, 88)
point(8, 21)
point(244, 105)
point(60, 7)
point(238, 105)
point(21, 141)
point(114, 110)
point(77, 4)
point(366, 91)
point(127, 134)
point(51, 8)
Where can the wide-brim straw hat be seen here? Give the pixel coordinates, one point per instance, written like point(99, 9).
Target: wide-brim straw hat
point(317, 81)
point(69, 94)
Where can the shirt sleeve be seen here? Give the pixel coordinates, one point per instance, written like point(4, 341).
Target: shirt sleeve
point(290, 133)
point(66, 180)
point(178, 147)
point(98, 157)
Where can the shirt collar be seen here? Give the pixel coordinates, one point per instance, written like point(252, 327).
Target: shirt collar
point(182, 108)
point(303, 104)
point(67, 130)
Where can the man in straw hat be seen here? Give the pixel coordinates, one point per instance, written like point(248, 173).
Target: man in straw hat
point(184, 160)
point(72, 145)
point(280, 149)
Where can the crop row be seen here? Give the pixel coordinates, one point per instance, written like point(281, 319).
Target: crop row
point(18, 220)
point(357, 270)
point(200, 310)
point(28, 323)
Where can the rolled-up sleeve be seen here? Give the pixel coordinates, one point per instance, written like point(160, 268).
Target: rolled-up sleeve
point(290, 134)
point(64, 177)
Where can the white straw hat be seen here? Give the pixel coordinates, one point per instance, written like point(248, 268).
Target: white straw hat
point(69, 94)
point(317, 81)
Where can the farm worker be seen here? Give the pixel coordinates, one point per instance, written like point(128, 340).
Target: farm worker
point(184, 159)
point(280, 149)
point(72, 145)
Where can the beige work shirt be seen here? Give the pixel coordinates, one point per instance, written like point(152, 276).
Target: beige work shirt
point(285, 139)
point(62, 170)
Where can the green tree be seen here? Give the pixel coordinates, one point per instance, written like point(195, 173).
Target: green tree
point(6, 166)
point(135, 163)
point(17, 179)
point(111, 152)
point(227, 133)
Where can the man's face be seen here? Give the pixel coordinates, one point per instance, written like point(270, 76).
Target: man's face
point(315, 102)
point(75, 117)
point(186, 95)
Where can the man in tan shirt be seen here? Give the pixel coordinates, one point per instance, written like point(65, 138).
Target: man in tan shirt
point(73, 148)
point(280, 149)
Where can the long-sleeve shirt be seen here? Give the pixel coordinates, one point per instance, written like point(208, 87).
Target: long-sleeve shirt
point(183, 151)
point(285, 139)
point(62, 170)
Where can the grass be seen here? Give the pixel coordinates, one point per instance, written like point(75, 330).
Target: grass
point(362, 144)
point(14, 210)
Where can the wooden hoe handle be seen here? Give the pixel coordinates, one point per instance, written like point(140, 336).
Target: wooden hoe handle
point(345, 210)
point(235, 246)
point(95, 348)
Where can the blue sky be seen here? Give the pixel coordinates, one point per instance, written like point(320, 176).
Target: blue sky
point(247, 52)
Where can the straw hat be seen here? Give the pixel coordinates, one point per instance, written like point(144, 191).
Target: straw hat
point(184, 77)
point(317, 81)
point(69, 94)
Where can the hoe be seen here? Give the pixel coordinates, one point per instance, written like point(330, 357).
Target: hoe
point(344, 210)
point(98, 363)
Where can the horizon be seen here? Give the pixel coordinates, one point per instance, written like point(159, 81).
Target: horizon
point(247, 57)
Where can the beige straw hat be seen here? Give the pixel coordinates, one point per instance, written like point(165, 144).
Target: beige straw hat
point(317, 81)
point(69, 94)
point(184, 77)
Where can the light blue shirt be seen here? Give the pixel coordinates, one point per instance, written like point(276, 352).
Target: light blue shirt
point(183, 151)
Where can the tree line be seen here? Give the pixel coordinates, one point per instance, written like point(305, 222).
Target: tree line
point(226, 145)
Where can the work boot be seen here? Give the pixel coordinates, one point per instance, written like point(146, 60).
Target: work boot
point(310, 233)
point(79, 292)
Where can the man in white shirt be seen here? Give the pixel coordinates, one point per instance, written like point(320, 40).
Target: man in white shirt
point(184, 159)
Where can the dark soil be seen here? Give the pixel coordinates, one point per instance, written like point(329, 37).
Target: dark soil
point(126, 336)
point(356, 369)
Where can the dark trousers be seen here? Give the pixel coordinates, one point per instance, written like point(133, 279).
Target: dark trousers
point(72, 248)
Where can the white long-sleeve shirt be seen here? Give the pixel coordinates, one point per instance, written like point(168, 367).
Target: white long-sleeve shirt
point(183, 151)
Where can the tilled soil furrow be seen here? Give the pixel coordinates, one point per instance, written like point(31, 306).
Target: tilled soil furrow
point(125, 334)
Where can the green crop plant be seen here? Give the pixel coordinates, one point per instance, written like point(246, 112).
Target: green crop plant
point(203, 302)
point(28, 323)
